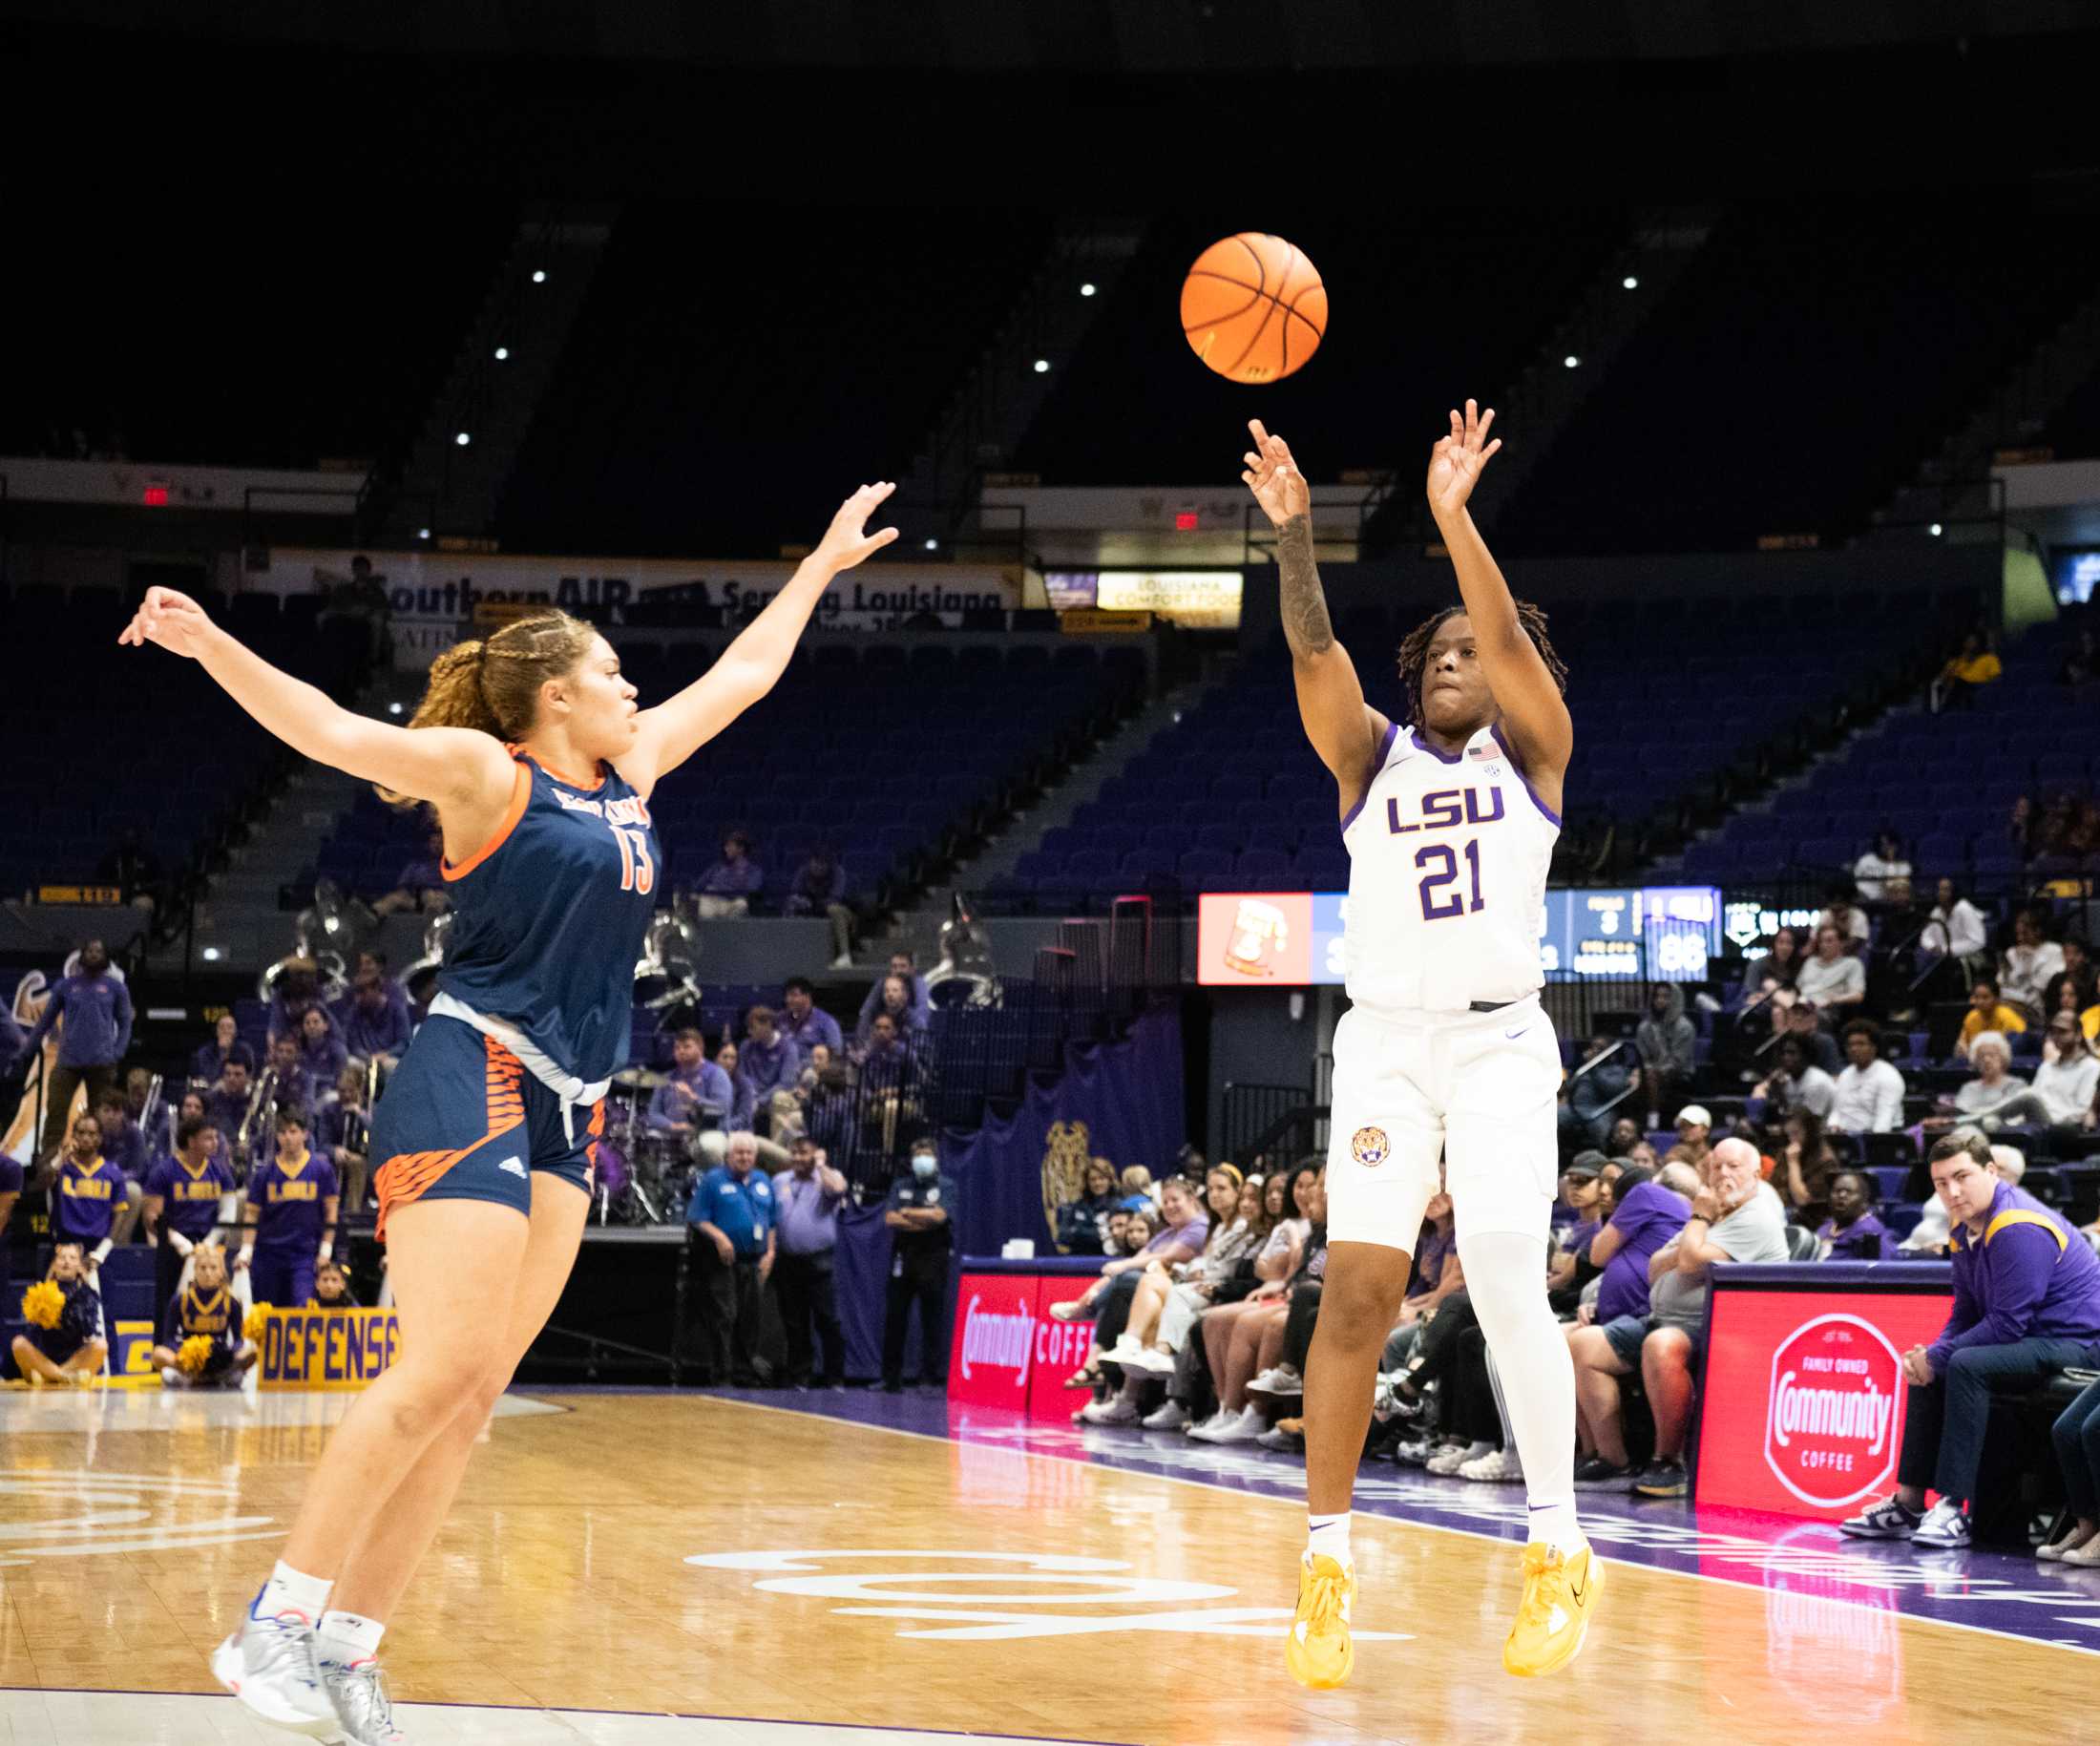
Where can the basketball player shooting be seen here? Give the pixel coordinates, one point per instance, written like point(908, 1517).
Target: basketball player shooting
point(1449, 811)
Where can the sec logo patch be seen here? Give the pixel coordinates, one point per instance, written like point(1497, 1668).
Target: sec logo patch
point(1369, 1146)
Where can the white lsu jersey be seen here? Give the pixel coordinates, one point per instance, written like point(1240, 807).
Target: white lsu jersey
point(1447, 865)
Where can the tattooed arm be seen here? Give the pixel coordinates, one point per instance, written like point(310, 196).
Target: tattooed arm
point(1344, 730)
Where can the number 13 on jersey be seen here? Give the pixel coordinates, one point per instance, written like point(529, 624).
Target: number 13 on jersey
point(638, 872)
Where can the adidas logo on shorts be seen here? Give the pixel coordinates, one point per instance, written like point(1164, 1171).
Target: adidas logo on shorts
point(515, 1166)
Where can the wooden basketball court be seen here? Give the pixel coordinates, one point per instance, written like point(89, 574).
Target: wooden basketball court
point(650, 1568)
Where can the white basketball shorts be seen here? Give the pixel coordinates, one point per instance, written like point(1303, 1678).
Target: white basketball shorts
point(1473, 1090)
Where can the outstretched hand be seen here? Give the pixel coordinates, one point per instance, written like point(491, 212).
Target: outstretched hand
point(1457, 461)
point(1273, 476)
point(846, 542)
point(170, 618)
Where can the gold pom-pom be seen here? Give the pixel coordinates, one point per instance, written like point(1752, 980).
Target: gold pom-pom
point(43, 1304)
point(193, 1354)
point(258, 1319)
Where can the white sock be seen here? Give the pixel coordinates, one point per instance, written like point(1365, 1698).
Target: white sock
point(347, 1638)
point(290, 1590)
point(1328, 1538)
point(1506, 1279)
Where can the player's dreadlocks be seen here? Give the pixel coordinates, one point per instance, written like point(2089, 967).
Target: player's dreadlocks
point(1415, 652)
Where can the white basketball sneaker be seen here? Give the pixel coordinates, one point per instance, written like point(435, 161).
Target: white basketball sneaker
point(269, 1664)
point(359, 1693)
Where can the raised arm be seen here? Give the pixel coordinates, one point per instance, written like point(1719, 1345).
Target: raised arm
point(466, 774)
point(1344, 730)
point(750, 667)
point(1534, 715)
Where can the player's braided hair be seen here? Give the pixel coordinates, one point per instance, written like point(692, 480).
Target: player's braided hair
point(1413, 660)
point(494, 685)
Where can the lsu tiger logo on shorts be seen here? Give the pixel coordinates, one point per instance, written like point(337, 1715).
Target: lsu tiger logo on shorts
point(1369, 1146)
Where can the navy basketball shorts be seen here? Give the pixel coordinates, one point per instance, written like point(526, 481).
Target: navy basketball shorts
point(462, 1119)
point(283, 1277)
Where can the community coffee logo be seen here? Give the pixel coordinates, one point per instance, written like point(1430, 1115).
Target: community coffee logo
point(997, 1339)
point(1830, 1419)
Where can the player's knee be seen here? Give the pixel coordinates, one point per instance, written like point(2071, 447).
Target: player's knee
point(1359, 1311)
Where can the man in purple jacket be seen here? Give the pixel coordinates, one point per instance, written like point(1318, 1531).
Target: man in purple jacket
point(728, 886)
point(97, 1008)
point(2026, 1304)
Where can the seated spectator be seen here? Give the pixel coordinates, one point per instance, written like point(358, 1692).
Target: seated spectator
point(1738, 1219)
point(1883, 862)
point(890, 1058)
point(900, 964)
point(728, 886)
point(2076, 1434)
point(2088, 1017)
point(2061, 1097)
point(373, 1023)
point(1624, 1135)
point(1990, 1055)
point(288, 1218)
point(1803, 1020)
point(91, 1202)
point(1964, 673)
point(895, 1003)
point(1832, 978)
point(1664, 1040)
point(420, 890)
point(341, 1134)
point(331, 1288)
point(293, 1086)
point(72, 1349)
point(206, 1311)
point(1852, 1232)
point(184, 1191)
point(1605, 1342)
point(2027, 1305)
point(2008, 1163)
point(1082, 1223)
point(1695, 1144)
point(819, 888)
point(1184, 1230)
point(804, 1022)
point(1583, 1189)
point(2025, 967)
point(210, 1062)
point(1772, 970)
point(1870, 1092)
point(766, 1061)
point(227, 1102)
point(321, 1051)
point(1808, 1166)
point(2075, 987)
point(745, 1102)
point(1985, 1013)
point(1842, 912)
point(1795, 1084)
point(1237, 1335)
point(1955, 928)
point(1607, 1075)
point(696, 1091)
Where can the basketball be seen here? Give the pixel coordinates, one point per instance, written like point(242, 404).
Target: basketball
point(1253, 309)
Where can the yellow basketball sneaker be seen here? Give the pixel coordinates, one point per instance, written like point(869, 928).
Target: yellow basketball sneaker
point(1559, 1594)
point(1319, 1651)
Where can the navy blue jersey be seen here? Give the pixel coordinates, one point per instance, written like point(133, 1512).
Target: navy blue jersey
point(212, 1314)
point(548, 917)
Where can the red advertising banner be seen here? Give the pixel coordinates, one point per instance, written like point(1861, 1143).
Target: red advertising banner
point(1802, 1412)
point(1009, 1350)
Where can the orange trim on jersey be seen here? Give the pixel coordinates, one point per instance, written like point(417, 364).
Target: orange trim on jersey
point(590, 1150)
point(521, 792)
point(586, 787)
point(408, 1175)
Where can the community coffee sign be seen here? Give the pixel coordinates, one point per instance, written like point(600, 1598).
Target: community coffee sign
point(1009, 1350)
point(1830, 1412)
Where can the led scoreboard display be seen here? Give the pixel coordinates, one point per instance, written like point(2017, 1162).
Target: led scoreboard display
point(1284, 939)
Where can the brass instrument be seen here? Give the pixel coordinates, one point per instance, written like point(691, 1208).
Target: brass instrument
point(254, 1120)
point(151, 1117)
point(965, 976)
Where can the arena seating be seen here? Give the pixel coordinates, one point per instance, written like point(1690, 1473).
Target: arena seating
point(104, 713)
point(1232, 798)
point(1833, 345)
point(1466, 297)
point(1945, 784)
point(665, 375)
point(888, 756)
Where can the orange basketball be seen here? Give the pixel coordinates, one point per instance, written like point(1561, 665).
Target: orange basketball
point(1253, 307)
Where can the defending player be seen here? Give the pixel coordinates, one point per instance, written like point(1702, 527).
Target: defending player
point(531, 750)
point(1450, 814)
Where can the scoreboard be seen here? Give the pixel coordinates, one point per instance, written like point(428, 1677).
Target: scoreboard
point(1295, 940)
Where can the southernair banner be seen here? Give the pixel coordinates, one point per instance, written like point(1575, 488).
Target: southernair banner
point(326, 1349)
point(434, 595)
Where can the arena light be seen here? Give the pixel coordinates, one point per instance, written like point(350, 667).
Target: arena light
point(463, 439)
point(1934, 530)
point(1042, 366)
point(210, 955)
point(1087, 290)
point(1186, 521)
point(502, 352)
point(394, 708)
point(155, 497)
point(423, 533)
point(1570, 361)
point(1630, 282)
point(539, 276)
point(932, 545)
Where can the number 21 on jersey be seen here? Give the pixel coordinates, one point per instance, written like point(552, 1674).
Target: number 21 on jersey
point(636, 870)
point(1439, 862)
